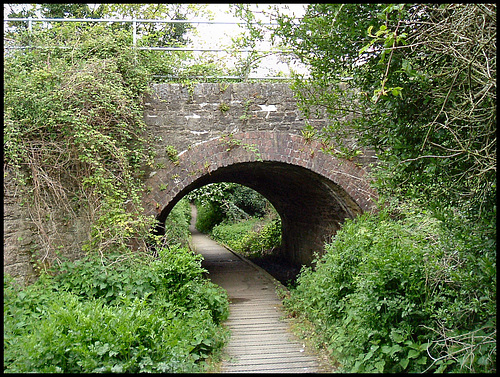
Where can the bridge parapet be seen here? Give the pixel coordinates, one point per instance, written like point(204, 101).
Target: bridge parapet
point(183, 115)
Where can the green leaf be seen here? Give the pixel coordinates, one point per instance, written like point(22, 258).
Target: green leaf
point(117, 368)
point(422, 360)
point(404, 363)
point(365, 48)
point(397, 336)
point(396, 91)
point(413, 354)
point(380, 366)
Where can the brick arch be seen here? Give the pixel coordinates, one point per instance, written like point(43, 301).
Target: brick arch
point(313, 192)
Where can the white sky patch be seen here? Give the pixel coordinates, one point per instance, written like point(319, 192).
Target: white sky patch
point(219, 36)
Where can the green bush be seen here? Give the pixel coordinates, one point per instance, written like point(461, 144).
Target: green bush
point(230, 202)
point(391, 295)
point(209, 215)
point(177, 224)
point(74, 132)
point(118, 316)
point(231, 234)
point(262, 241)
point(250, 237)
point(248, 200)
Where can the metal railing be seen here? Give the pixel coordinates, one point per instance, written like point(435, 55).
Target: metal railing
point(135, 22)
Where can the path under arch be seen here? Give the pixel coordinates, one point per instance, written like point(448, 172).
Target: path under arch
point(261, 340)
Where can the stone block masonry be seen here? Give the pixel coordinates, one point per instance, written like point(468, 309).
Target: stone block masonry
point(183, 115)
point(251, 134)
point(27, 247)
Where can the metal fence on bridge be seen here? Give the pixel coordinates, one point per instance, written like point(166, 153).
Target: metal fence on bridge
point(10, 43)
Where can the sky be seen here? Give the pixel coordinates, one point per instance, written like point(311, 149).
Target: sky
point(219, 36)
point(213, 36)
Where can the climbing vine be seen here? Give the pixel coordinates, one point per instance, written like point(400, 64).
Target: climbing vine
point(74, 135)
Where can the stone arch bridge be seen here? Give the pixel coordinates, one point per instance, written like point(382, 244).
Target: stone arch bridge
point(250, 133)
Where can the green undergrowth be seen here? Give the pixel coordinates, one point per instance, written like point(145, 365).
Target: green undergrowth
point(252, 238)
point(177, 223)
point(413, 293)
point(119, 312)
point(123, 314)
point(209, 215)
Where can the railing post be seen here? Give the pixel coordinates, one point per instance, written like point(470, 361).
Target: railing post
point(134, 39)
point(134, 32)
point(30, 24)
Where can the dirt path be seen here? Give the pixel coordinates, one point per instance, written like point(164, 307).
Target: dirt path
point(261, 340)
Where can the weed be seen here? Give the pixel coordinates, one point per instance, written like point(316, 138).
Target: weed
point(140, 315)
point(223, 107)
point(384, 292)
point(172, 153)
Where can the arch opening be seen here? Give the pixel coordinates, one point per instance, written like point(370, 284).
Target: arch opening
point(311, 206)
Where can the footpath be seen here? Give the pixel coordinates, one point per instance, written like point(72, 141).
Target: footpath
point(261, 340)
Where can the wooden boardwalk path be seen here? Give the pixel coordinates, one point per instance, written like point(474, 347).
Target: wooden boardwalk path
point(261, 341)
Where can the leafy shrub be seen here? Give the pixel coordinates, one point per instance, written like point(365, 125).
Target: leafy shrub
point(126, 316)
point(262, 241)
point(177, 224)
point(228, 202)
point(249, 200)
point(249, 237)
point(209, 215)
point(385, 291)
point(91, 337)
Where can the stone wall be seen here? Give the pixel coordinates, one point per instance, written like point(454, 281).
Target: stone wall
point(182, 116)
point(18, 235)
point(34, 240)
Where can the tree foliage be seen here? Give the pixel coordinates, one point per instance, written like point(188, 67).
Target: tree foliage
point(420, 84)
point(231, 202)
point(164, 34)
point(157, 34)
